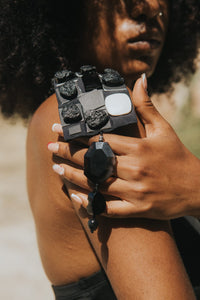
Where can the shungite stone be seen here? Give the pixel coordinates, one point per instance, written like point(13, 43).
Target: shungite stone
point(112, 79)
point(87, 69)
point(99, 162)
point(109, 70)
point(62, 76)
point(92, 224)
point(69, 75)
point(71, 113)
point(96, 119)
point(68, 90)
point(97, 203)
point(90, 78)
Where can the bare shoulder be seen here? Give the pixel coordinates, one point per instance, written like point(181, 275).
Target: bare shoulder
point(39, 160)
point(43, 118)
point(61, 239)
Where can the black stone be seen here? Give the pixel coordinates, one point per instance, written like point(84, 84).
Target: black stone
point(90, 78)
point(109, 71)
point(62, 76)
point(69, 75)
point(96, 119)
point(97, 203)
point(112, 79)
point(68, 90)
point(87, 69)
point(99, 162)
point(92, 224)
point(71, 113)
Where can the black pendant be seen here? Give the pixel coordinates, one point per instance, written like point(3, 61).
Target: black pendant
point(97, 203)
point(99, 162)
point(96, 206)
point(93, 224)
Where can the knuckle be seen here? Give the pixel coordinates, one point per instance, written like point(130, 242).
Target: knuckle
point(93, 139)
point(142, 191)
point(142, 147)
point(62, 150)
point(140, 171)
point(66, 151)
point(109, 210)
point(70, 174)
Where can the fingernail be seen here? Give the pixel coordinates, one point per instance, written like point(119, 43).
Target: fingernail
point(76, 198)
point(58, 169)
point(144, 81)
point(56, 127)
point(54, 147)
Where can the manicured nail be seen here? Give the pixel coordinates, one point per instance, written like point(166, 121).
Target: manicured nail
point(57, 127)
point(144, 81)
point(58, 169)
point(76, 198)
point(54, 147)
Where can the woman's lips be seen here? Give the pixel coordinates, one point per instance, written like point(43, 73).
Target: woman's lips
point(143, 44)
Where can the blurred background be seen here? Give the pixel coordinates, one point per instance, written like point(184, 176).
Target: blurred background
point(21, 273)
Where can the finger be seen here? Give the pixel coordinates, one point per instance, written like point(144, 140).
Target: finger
point(57, 128)
point(112, 186)
point(80, 198)
point(115, 208)
point(125, 167)
point(121, 145)
point(128, 167)
point(125, 209)
point(145, 109)
point(71, 152)
point(73, 175)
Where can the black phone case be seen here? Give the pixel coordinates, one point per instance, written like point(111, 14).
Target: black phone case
point(90, 103)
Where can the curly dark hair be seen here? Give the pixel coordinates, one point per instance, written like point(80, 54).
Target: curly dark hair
point(39, 37)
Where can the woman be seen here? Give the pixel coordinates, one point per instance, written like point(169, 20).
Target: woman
point(139, 256)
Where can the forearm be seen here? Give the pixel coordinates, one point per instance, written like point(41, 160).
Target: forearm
point(140, 258)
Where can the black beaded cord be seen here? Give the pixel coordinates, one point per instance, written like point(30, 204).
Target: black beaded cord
point(99, 163)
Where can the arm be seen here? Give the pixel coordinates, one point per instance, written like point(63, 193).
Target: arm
point(157, 176)
point(61, 239)
point(139, 256)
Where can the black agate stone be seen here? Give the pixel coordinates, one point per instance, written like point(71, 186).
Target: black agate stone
point(62, 76)
point(96, 206)
point(99, 162)
point(71, 113)
point(96, 203)
point(96, 119)
point(112, 78)
point(68, 90)
point(92, 224)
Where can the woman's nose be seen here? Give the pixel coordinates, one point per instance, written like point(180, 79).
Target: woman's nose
point(144, 9)
point(151, 8)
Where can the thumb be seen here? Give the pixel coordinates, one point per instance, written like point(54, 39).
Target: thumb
point(145, 109)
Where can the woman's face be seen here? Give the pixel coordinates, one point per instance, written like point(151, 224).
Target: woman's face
point(129, 35)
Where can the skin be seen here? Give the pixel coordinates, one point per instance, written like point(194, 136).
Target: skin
point(177, 193)
point(131, 41)
point(153, 269)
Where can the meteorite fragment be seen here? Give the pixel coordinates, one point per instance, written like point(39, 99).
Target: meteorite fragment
point(71, 113)
point(68, 90)
point(96, 119)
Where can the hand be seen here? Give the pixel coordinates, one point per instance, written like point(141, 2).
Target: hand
point(156, 176)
